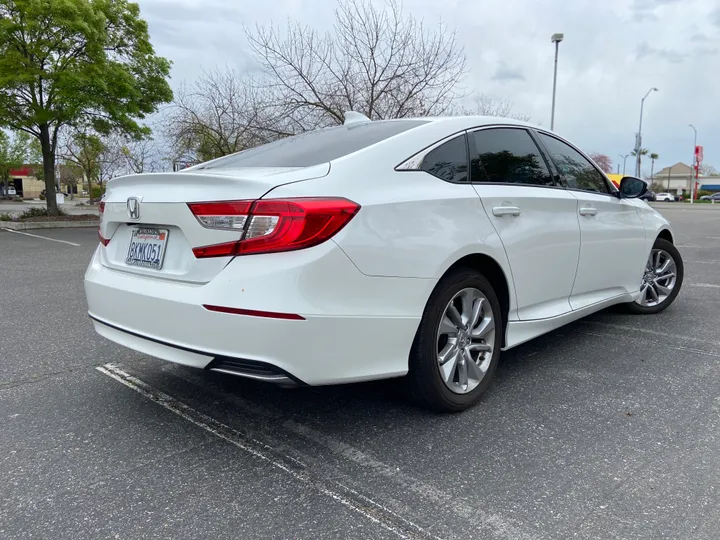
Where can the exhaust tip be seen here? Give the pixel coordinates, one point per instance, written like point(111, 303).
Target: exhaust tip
point(252, 369)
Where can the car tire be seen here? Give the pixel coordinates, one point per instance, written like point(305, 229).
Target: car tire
point(437, 385)
point(665, 247)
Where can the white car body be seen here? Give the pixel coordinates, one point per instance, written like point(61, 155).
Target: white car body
point(348, 309)
point(665, 197)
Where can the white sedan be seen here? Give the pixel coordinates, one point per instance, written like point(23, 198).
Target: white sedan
point(411, 247)
point(665, 197)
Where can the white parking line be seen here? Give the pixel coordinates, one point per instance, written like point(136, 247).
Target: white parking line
point(43, 237)
point(708, 285)
point(480, 518)
point(364, 506)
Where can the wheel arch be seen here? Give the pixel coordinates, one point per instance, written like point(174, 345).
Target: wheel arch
point(665, 234)
point(491, 269)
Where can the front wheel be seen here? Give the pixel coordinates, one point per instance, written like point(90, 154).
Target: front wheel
point(661, 280)
point(457, 344)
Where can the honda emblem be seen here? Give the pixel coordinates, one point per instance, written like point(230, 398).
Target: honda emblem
point(133, 207)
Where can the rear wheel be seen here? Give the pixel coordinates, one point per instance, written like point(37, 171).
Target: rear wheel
point(457, 344)
point(661, 280)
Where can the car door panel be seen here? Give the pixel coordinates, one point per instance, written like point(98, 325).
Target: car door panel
point(612, 250)
point(535, 219)
point(542, 243)
point(612, 235)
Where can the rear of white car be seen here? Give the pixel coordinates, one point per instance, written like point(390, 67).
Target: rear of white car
point(206, 268)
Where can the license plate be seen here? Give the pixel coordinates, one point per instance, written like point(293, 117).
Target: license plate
point(147, 247)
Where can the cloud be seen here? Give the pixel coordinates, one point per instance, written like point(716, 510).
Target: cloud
point(505, 73)
point(715, 16)
point(606, 65)
point(699, 38)
point(675, 57)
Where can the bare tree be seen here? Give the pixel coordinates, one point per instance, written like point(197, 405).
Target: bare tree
point(219, 114)
point(99, 158)
point(484, 105)
point(141, 156)
point(376, 61)
point(379, 62)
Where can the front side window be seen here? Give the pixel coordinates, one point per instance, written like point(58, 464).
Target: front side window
point(449, 161)
point(507, 156)
point(578, 172)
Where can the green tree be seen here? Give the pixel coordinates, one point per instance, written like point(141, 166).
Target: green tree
point(99, 158)
point(13, 152)
point(642, 152)
point(80, 63)
point(653, 157)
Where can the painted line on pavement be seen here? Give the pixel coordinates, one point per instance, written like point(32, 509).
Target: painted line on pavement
point(364, 506)
point(650, 332)
point(480, 518)
point(708, 285)
point(43, 237)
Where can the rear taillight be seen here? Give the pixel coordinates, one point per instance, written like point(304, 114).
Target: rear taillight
point(101, 210)
point(273, 225)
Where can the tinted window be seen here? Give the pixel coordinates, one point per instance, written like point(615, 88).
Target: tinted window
point(448, 161)
point(315, 147)
point(507, 156)
point(578, 172)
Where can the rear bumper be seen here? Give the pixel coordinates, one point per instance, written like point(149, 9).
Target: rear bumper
point(354, 327)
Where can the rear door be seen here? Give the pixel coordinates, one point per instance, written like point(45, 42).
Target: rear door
point(535, 218)
point(613, 249)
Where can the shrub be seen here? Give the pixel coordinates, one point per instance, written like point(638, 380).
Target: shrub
point(4, 216)
point(39, 212)
point(97, 191)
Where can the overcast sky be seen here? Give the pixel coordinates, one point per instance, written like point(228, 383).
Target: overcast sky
point(614, 51)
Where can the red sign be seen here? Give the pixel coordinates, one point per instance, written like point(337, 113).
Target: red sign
point(698, 154)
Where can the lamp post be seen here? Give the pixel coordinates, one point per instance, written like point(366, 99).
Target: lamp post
point(624, 156)
point(638, 139)
point(692, 167)
point(556, 39)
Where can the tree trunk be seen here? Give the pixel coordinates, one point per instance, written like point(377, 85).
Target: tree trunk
point(88, 175)
point(48, 154)
point(652, 168)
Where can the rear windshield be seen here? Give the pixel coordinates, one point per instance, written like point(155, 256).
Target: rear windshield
point(315, 147)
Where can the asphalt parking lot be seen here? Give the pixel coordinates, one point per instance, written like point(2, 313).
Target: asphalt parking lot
point(608, 428)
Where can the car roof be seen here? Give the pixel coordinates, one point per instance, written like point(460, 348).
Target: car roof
point(463, 121)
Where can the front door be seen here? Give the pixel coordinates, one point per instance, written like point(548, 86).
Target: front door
point(613, 249)
point(535, 218)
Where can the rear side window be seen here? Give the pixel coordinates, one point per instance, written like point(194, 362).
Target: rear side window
point(449, 161)
point(508, 156)
point(577, 171)
point(315, 147)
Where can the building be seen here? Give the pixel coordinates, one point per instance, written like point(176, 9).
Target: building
point(678, 178)
point(28, 186)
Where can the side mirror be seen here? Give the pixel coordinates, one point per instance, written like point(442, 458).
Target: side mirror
point(632, 188)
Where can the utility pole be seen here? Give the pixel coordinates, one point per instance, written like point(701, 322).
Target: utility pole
point(638, 138)
point(556, 39)
point(624, 156)
point(692, 167)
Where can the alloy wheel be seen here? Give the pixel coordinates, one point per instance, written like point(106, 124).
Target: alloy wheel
point(658, 280)
point(466, 337)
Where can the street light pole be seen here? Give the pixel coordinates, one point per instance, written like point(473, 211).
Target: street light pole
point(692, 167)
point(638, 139)
point(624, 156)
point(556, 39)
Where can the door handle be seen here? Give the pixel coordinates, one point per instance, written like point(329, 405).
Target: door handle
point(506, 211)
point(588, 211)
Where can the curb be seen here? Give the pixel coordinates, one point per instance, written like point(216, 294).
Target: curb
point(22, 226)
